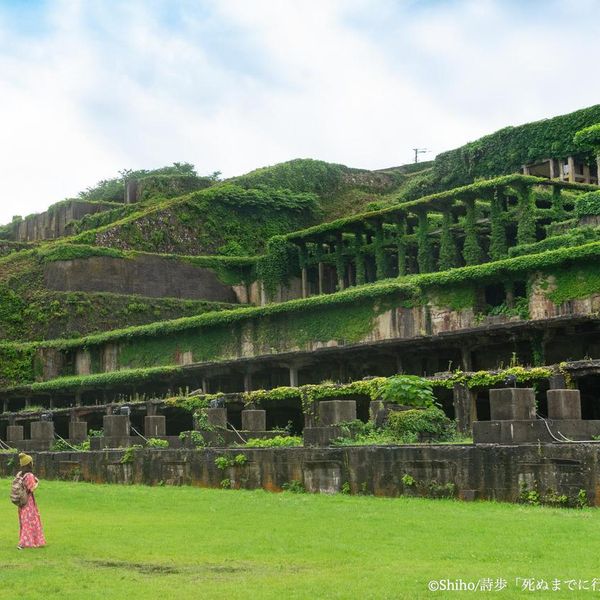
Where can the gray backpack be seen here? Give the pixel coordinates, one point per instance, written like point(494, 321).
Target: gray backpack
point(18, 491)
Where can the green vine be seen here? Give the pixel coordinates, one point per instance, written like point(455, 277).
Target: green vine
point(471, 249)
point(498, 245)
point(424, 251)
point(448, 249)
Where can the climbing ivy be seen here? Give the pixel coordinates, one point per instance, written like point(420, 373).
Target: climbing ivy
point(526, 216)
point(401, 246)
point(498, 244)
point(424, 251)
point(448, 250)
point(471, 249)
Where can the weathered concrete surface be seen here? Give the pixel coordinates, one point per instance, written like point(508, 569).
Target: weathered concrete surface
point(484, 472)
point(564, 404)
point(146, 275)
point(512, 404)
point(53, 223)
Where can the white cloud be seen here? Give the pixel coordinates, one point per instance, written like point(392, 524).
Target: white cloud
point(235, 85)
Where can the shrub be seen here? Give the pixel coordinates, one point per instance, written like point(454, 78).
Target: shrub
point(412, 425)
point(156, 443)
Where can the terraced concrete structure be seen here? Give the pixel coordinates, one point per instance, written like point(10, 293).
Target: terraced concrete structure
point(305, 272)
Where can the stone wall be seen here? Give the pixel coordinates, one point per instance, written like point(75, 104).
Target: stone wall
point(467, 472)
point(149, 275)
point(53, 223)
point(285, 333)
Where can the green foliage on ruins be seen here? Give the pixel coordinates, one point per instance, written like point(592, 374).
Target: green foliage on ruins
point(506, 150)
point(588, 204)
point(574, 282)
point(166, 182)
point(346, 316)
point(588, 138)
point(208, 221)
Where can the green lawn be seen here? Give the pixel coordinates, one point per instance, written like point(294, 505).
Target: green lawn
point(141, 542)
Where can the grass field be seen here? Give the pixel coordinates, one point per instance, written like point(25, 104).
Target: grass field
point(140, 542)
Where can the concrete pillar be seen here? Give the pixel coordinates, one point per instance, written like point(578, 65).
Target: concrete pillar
point(465, 407)
point(552, 170)
point(131, 192)
point(293, 376)
point(83, 362)
point(564, 404)
point(466, 359)
point(512, 404)
point(155, 426)
point(321, 277)
point(254, 420)
point(586, 174)
point(571, 163)
point(14, 433)
point(116, 425)
point(77, 431)
point(217, 417)
point(248, 381)
point(42, 431)
point(332, 412)
point(598, 166)
point(305, 282)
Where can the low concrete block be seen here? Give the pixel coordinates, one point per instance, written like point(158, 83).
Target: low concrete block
point(510, 432)
point(217, 417)
point(155, 426)
point(332, 412)
point(116, 426)
point(77, 431)
point(564, 404)
point(42, 430)
point(14, 433)
point(321, 436)
point(512, 404)
point(254, 420)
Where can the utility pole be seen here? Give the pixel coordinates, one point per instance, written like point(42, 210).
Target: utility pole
point(418, 151)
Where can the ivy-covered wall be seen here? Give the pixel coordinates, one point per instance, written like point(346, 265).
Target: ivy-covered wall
point(506, 150)
point(422, 305)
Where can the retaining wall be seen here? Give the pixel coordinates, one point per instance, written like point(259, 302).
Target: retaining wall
point(467, 471)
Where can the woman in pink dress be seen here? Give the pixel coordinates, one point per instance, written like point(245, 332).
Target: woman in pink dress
point(31, 534)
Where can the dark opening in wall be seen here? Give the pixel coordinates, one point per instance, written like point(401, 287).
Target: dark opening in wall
point(494, 294)
point(445, 397)
point(589, 387)
point(520, 289)
point(178, 420)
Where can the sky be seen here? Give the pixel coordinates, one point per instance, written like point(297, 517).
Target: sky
point(91, 87)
